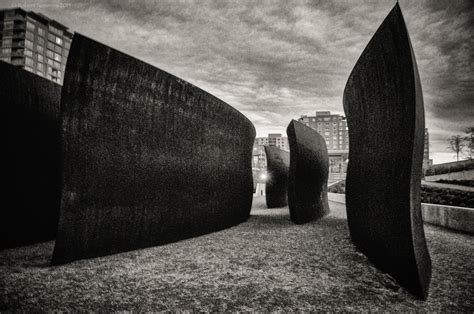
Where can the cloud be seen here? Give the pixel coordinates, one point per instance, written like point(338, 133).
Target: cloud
point(277, 60)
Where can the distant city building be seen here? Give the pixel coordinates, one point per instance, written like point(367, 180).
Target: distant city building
point(34, 42)
point(259, 160)
point(274, 139)
point(427, 162)
point(262, 141)
point(332, 127)
point(338, 160)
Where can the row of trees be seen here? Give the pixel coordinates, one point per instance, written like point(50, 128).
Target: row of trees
point(460, 144)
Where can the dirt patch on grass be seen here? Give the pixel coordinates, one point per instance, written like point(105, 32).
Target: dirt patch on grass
point(267, 263)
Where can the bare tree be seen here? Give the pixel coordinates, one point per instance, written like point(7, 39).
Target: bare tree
point(469, 138)
point(456, 145)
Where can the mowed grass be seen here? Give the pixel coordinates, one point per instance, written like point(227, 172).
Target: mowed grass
point(265, 264)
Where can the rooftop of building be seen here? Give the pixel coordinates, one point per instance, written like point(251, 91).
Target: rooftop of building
point(41, 18)
point(272, 135)
point(323, 114)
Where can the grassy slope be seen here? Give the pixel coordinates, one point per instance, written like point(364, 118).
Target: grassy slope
point(267, 263)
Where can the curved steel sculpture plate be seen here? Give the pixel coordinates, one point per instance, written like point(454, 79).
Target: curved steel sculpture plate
point(384, 106)
point(308, 177)
point(148, 158)
point(32, 168)
point(276, 187)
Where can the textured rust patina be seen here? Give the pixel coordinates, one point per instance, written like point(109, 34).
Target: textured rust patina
point(276, 187)
point(308, 177)
point(148, 158)
point(31, 168)
point(384, 106)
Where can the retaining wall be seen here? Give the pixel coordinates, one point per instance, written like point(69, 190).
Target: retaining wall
point(452, 217)
point(460, 175)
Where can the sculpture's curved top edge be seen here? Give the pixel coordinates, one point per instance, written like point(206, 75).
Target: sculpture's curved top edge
point(291, 124)
point(274, 148)
point(296, 124)
point(394, 14)
point(166, 73)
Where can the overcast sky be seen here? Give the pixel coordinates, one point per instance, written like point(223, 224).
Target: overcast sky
point(277, 60)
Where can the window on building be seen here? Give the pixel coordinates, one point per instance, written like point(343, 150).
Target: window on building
point(40, 41)
point(17, 62)
point(59, 41)
point(67, 44)
point(57, 49)
point(50, 62)
point(8, 25)
point(29, 53)
point(28, 44)
point(55, 30)
point(29, 68)
point(57, 65)
point(30, 35)
point(40, 58)
point(7, 41)
point(50, 54)
point(29, 62)
point(40, 49)
point(51, 45)
point(6, 59)
point(9, 14)
point(30, 26)
point(40, 67)
point(39, 73)
point(41, 31)
point(6, 51)
point(8, 32)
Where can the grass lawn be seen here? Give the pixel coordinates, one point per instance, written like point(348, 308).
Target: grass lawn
point(266, 263)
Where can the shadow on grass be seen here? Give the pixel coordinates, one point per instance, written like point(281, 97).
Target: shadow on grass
point(273, 219)
point(267, 263)
point(30, 256)
point(280, 217)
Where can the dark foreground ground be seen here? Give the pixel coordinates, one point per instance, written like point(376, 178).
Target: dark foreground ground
point(267, 263)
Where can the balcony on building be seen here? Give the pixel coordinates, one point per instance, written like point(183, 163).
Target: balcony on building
point(18, 43)
point(18, 53)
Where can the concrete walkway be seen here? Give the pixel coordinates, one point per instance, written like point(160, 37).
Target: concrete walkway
point(338, 209)
point(448, 186)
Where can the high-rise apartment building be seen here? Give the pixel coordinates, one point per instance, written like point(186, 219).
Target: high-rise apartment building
point(332, 127)
point(34, 42)
point(273, 139)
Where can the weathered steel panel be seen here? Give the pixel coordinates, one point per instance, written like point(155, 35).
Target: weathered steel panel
point(308, 177)
point(276, 187)
point(148, 158)
point(31, 170)
point(384, 106)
